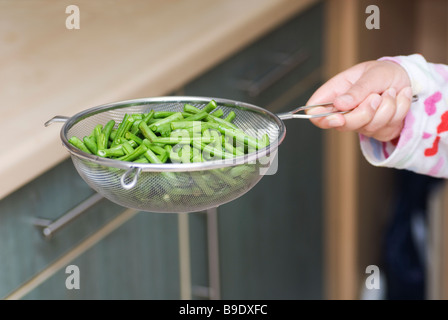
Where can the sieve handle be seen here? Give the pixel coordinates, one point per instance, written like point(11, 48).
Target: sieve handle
point(132, 175)
point(293, 114)
point(56, 119)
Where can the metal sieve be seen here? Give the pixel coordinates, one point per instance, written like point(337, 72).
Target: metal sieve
point(176, 187)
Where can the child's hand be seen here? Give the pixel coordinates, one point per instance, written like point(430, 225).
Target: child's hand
point(378, 93)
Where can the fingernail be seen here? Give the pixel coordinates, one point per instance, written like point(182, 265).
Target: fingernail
point(407, 92)
point(334, 121)
point(392, 92)
point(375, 102)
point(346, 98)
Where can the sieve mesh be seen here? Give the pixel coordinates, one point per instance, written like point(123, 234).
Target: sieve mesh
point(174, 187)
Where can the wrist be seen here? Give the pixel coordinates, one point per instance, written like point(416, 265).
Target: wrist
point(401, 77)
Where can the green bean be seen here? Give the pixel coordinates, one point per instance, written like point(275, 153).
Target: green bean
point(163, 114)
point(148, 116)
point(201, 183)
point(164, 157)
point(217, 113)
point(183, 140)
point(194, 126)
point(116, 151)
point(174, 116)
point(151, 156)
point(237, 171)
point(191, 109)
point(224, 177)
point(197, 116)
point(134, 128)
point(190, 135)
point(103, 137)
point(186, 153)
point(141, 160)
point(210, 106)
point(155, 148)
point(102, 142)
point(90, 143)
point(75, 141)
point(239, 135)
point(186, 191)
point(147, 132)
point(164, 129)
point(113, 133)
point(139, 151)
point(230, 116)
point(196, 155)
point(96, 131)
point(231, 148)
point(175, 157)
point(120, 130)
point(220, 121)
point(130, 136)
point(107, 130)
point(127, 148)
point(212, 151)
point(265, 140)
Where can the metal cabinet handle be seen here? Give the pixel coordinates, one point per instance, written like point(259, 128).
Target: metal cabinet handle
point(50, 227)
point(284, 67)
point(213, 291)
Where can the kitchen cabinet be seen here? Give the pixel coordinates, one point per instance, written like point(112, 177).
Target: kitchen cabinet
point(269, 241)
point(271, 238)
point(114, 262)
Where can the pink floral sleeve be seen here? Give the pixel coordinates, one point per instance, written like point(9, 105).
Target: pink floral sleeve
point(423, 144)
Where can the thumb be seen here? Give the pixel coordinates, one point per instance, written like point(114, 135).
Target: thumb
point(358, 92)
point(376, 77)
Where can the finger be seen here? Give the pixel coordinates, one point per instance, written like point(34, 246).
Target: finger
point(368, 83)
point(395, 126)
point(333, 121)
point(337, 85)
point(404, 100)
point(383, 114)
point(361, 115)
point(377, 78)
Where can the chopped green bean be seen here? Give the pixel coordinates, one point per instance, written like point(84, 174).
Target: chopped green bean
point(191, 135)
point(148, 116)
point(75, 141)
point(113, 152)
point(130, 136)
point(151, 156)
point(96, 131)
point(127, 148)
point(197, 116)
point(210, 106)
point(147, 132)
point(139, 151)
point(230, 116)
point(175, 116)
point(107, 130)
point(90, 143)
point(217, 113)
point(191, 109)
point(120, 130)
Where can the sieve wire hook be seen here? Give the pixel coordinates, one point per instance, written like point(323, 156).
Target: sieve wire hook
point(131, 174)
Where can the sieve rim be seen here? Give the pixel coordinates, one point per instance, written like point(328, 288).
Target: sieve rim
point(173, 167)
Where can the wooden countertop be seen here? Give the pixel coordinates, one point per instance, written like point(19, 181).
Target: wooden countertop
point(122, 50)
